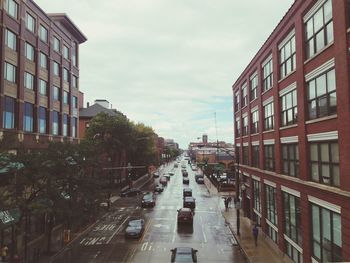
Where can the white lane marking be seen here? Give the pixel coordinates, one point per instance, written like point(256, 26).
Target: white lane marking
point(205, 237)
point(115, 232)
point(144, 246)
point(174, 232)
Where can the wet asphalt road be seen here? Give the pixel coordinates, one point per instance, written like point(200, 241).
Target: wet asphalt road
point(209, 234)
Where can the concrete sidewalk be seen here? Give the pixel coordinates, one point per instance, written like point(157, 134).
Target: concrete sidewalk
point(261, 253)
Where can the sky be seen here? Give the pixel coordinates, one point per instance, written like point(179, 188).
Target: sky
point(170, 64)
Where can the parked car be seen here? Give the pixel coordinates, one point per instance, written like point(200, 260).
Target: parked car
point(167, 176)
point(190, 202)
point(184, 216)
point(148, 200)
point(187, 191)
point(130, 192)
point(163, 180)
point(135, 228)
point(176, 165)
point(155, 175)
point(194, 167)
point(171, 173)
point(200, 180)
point(184, 173)
point(198, 176)
point(183, 166)
point(184, 254)
point(185, 180)
point(159, 188)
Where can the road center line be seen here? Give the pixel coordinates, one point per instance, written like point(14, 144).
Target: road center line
point(115, 232)
point(205, 237)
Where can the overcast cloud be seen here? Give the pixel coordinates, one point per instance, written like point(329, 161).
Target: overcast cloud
point(169, 63)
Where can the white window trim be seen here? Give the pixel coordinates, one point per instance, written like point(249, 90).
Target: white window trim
point(238, 144)
point(324, 136)
point(314, 260)
point(255, 143)
point(253, 75)
point(324, 204)
point(267, 60)
point(244, 86)
point(245, 144)
point(269, 142)
point(290, 191)
point(246, 174)
point(270, 183)
point(321, 69)
point(254, 177)
point(288, 89)
point(244, 115)
point(257, 212)
point(313, 10)
point(291, 139)
point(254, 109)
point(272, 225)
point(267, 101)
point(295, 245)
point(286, 39)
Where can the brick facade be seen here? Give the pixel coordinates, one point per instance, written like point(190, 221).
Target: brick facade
point(310, 187)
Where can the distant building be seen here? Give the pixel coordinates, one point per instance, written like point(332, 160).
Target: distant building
point(39, 80)
point(292, 127)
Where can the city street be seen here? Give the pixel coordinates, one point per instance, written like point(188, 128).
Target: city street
point(209, 234)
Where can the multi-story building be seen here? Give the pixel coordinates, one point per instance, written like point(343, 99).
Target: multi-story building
point(292, 127)
point(39, 77)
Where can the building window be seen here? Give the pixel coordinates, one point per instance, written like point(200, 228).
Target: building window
point(65, 52)
point(10, 72)
point(9, 113)
point(43, 34)
point(28, 80)
point(65, 97)
point(65, 75)
point(289, 112)
point(29, 51)
point(254, 87)
point(290, 159)
point(268, 117)
point(56, 69)
point(244, 96)
point(42, 120)
point(74, 82)
point(30, 23)
point(28, 117)
point(55, 124)
point(75, 102)
point(319, 30)
point(255, 122)
point(287, 58)
point(11, 40)
point(56, 93)
point(257, 202)
point(238, 154)
point(326, 235)
point(42, 87)
point(12, 8)
point(293, 253)
point(56, 44)
point(267, 75)
point(322, 98)
point(324, 161)
point(65, 125)
point(245, 126)
point(269, 151)
point(74, 54)
point(245, 155)
point(75, 127)
point(271, 213)
point(238, 128)
point(237, 100)
point(43, 60)
point(255, 156)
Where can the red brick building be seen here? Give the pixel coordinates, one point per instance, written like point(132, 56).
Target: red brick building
point(292, 128)
point(39, 74)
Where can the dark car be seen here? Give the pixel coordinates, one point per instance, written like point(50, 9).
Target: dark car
point(135, 228)
point(185, 180)
point(184, 254)
point(148, 200)
point(190, 202)
point(130, 192)
point(171, 173)
point(159, 188)
point(163, 180)
point(167, 176)
point(184, 173)
point(198, 176)
point(187, 191)
point(184, 216)
point(200, 180)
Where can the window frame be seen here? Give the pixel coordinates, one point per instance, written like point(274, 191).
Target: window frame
point(291, 161)
point(267, 70)
point(65, 52)
point(254, 122)
point(9, 113)
point(255, 156)
point(56, 45)
point(244, 95)
point(285, 59)
point(28, 117)
point(42, 90)
point(55, 123)
point(245, 155)
point(41, 57)
point(30, 22)
point(12, 46)
point(56, 93)
point(285, 108)
point(9, 10)
point(43, 34)
point(245, 124)
point(29, 80)
point(56, 69)
point(42, 112)
point(269, 119)
point(29, 51)
point(237, 101)
point(13, 78)
point(253, 83)
point(269, 157)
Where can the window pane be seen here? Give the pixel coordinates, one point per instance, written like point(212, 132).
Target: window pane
point(335, 152)
point(327, 11)
point(313, 152)
point(324, 152)
point(337, 229)
point(318, 20)
point(329, 30)
point(314, 172)
point(335, 175)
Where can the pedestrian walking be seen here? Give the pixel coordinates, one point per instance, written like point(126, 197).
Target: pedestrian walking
point(255, 234)
point(226, 203)
point(4, 252)
point(229, 200)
